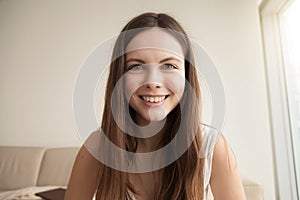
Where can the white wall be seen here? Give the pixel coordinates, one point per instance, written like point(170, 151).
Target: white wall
point(43, 43)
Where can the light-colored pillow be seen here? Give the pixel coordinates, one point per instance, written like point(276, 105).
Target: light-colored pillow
point(57, 166)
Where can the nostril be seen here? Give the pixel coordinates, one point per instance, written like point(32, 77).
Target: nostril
point(153, 85)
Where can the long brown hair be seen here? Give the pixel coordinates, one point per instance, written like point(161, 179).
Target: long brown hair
point(183, 179)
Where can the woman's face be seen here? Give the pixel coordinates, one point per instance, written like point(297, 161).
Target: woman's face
point(155, 78)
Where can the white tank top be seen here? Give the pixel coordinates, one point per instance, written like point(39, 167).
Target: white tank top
point(209, 139)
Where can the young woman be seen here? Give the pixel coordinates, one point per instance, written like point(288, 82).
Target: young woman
point(152, 103)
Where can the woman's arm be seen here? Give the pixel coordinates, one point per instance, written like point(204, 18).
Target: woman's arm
point(84, 178)
point(225, 179)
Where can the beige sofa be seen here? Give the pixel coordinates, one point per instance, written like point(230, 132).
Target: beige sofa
point(27, 170)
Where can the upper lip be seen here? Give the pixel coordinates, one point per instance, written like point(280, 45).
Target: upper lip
point(153, 95)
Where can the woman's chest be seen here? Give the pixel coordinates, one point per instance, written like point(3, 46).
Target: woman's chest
point(144, 184)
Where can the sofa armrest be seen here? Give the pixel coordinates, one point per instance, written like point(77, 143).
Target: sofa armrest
point(253, 190)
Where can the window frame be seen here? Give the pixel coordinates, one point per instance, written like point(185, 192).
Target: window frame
point(285, 177)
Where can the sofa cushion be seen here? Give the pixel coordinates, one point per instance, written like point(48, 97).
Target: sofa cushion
point(57, 166)
point(19, 166)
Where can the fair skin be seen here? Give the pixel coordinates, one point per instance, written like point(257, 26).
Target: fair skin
point(154, 84)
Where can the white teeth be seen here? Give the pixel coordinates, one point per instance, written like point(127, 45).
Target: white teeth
point(154, 99)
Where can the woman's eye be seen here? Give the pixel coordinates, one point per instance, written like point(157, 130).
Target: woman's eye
point(135, 67)
point(168, 66)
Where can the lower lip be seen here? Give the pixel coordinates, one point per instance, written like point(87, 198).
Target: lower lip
point(153, 104)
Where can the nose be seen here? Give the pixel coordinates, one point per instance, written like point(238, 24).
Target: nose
point(153, 85)
point(153, 79)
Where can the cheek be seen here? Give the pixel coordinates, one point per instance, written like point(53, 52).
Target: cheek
point(131, 83)
point(176, 84)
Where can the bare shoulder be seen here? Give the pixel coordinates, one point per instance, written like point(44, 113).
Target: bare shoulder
point(225, 178)
point(223, 155)
point(84, 177)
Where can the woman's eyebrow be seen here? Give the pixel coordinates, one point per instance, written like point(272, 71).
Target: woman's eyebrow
point(143, 62)
point(170, 58)
point(135, 60)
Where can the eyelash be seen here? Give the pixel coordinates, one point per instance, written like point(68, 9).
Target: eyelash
point(134, 67)
point(173, 66)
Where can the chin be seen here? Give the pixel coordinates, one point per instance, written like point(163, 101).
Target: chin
point(157, 114)
point(154, 117)
point(157, 118)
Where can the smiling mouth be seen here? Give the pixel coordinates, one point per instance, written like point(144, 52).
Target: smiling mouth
point(154, 99)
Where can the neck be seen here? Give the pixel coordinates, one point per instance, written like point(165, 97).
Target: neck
point(148, 144)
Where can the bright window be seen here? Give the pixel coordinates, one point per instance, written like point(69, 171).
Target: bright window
point(290, 38)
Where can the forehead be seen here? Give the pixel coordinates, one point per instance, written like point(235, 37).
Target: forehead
point(152, 55)
point(155, 39)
